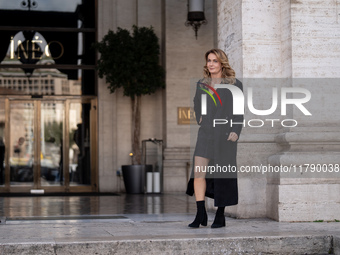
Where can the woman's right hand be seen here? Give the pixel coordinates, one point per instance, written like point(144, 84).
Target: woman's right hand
point(232, 137)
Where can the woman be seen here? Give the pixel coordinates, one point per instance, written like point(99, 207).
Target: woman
point(216, 146)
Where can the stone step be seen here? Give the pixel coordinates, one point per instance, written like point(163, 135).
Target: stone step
point(292, 244)
point(177, 149)
point(175, 163)
point(177, 156)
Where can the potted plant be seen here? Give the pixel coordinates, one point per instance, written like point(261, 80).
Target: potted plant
point(131, 61)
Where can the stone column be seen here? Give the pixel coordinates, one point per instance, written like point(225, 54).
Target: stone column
point(107, 147)
point(315, 54)
point(286, 41)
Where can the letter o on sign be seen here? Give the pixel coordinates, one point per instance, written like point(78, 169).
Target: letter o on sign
point(57, 44)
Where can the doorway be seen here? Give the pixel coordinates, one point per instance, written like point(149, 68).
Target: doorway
point(50, 145)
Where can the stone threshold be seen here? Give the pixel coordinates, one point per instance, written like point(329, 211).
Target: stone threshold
point(290, 244)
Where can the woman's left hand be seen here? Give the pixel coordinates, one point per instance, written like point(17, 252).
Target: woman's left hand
point(232, 137)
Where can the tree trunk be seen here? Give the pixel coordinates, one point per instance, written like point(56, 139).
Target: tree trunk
point(136, 103)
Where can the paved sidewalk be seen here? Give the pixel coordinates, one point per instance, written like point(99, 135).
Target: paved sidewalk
point(152, 233)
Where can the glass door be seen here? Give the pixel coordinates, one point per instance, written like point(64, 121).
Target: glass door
point(82, 147)
point(80, 143)
point(48, 145)
point(22, 145)
point(51, 151)
point(2, 141)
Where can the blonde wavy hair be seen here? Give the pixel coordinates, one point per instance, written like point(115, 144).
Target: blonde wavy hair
point(228, 74)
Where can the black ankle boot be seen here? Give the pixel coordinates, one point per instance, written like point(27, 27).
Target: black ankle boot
point(219, 220)
point(201, 215)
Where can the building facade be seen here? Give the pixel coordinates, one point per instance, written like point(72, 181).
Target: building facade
point(65, 118)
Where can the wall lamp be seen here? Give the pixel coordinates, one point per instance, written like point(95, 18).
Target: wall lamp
point(196, 16)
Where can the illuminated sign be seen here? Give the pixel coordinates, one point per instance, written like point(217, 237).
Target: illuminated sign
point(185, 116)
point(30, 49)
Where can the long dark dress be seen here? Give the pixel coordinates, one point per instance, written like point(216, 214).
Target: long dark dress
point(205, 137)
point(222, 187)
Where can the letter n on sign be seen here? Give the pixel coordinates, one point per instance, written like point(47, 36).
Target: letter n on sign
point(185, 116)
